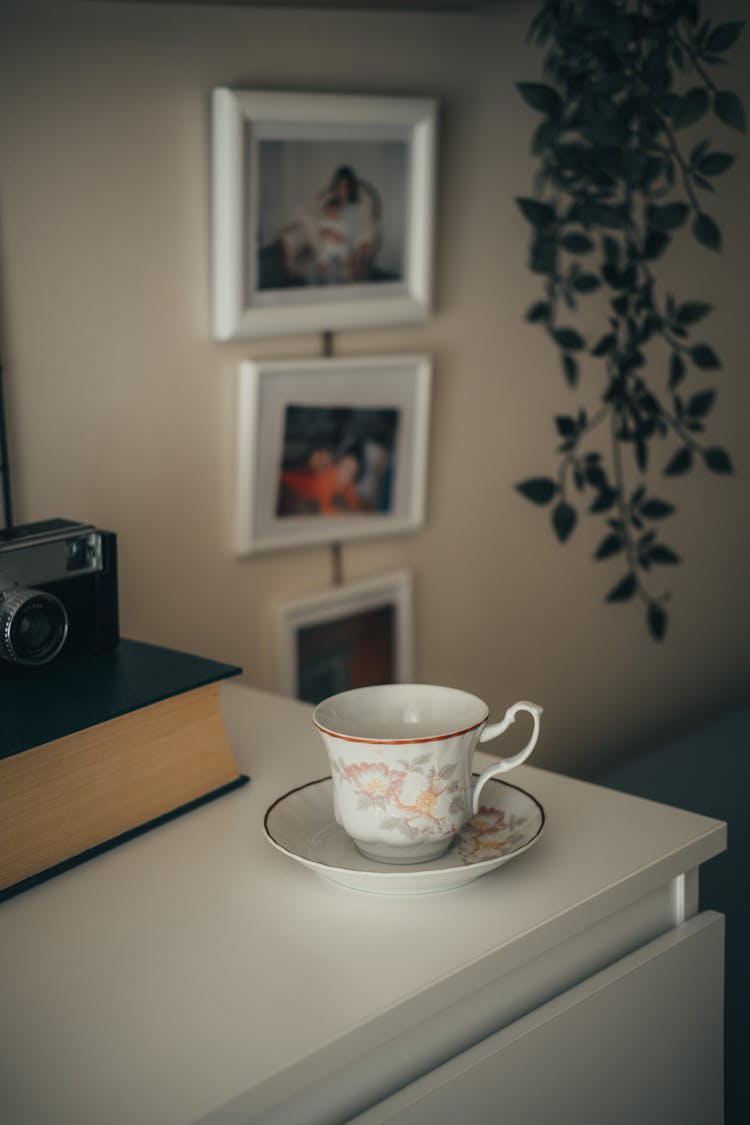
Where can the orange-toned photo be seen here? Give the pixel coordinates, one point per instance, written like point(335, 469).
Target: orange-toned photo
point(337, 460)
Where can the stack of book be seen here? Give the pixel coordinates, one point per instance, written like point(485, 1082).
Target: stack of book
point(97, 748)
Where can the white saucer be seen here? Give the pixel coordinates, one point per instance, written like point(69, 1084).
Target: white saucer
point(300, 824)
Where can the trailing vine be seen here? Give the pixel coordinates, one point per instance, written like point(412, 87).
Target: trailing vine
point(623, 79)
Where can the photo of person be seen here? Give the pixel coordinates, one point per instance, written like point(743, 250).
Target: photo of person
point(331, 441)
point(337, 460)
point(333, 253)
point(323, 211)
point(330, 213)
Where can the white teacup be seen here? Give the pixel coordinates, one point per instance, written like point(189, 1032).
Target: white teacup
point(401, 758)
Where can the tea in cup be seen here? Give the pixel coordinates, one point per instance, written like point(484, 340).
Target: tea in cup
point(401, 764)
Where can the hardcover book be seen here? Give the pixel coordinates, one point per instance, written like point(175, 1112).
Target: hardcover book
point(99, 747)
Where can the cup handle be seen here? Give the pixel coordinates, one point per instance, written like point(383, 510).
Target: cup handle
point(495, 729)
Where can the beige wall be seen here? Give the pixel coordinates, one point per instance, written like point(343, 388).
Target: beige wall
point(121, 406)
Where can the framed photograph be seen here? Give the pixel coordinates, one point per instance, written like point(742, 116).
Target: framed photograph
point(353, 635)
point(322, 211)
point(330, 450)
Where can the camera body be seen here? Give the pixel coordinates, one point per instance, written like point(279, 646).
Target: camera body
point(58, 591)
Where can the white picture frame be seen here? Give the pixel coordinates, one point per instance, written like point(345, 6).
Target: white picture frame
point(348, 636)
point(330, 450)
point(275, 158)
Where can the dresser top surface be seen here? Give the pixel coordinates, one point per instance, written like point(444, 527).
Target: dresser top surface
point(196, 962)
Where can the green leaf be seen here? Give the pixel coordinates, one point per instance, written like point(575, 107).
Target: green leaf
point(690, 108)
point(595, 474)
point(680, 463)
point(706, 231)
point(619, 32)
point(543, 256)
point(563, 520)
point(545, 135)
point(569, 339)
point(570, 369)
point(656, 618)
point(715, 163)
point(609, 215)
point(705, 357)
point(724, 36)
point(656, 243)
point(538, 214)
point(609, 546)
point(729, 109)
point(539, 490)
point(539, 96)
point(664, 555)
point(702, 182)
point(605, 345)
point(698, 151)
point(718, 460)
point(611, 250)
point(668, 216)
point(701, 403)
point(586, 283)
point(577, 243)
point(624, 589)
point(604, 501)
point(653, 169)
point(539, 28)
point(566, 426)
point(676, 370)
point(668, 104)
point(656, 509)
point(541, 311)
point(692, 311)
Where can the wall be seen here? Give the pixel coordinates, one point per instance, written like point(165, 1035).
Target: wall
point(121, 406)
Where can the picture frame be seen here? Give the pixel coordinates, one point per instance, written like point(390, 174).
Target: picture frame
point(330, 450)
point(352, 635)
point(297, 245)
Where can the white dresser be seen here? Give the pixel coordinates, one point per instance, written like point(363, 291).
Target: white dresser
point(197, 975)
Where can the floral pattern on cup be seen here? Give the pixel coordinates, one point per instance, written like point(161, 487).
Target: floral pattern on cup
point(490, 832)
point(434, 806)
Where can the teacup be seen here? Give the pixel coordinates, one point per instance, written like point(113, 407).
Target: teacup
point(401, 763)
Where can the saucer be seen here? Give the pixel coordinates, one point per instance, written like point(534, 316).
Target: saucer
point(300, 824)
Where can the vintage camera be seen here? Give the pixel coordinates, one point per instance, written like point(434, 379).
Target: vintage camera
point(58, 591)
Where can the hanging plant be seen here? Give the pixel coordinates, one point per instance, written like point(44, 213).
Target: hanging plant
point(616, 186)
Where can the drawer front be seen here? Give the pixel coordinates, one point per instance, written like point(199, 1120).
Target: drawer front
point(642, 1040)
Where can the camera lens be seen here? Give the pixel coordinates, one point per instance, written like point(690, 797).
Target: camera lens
point(33, 626)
